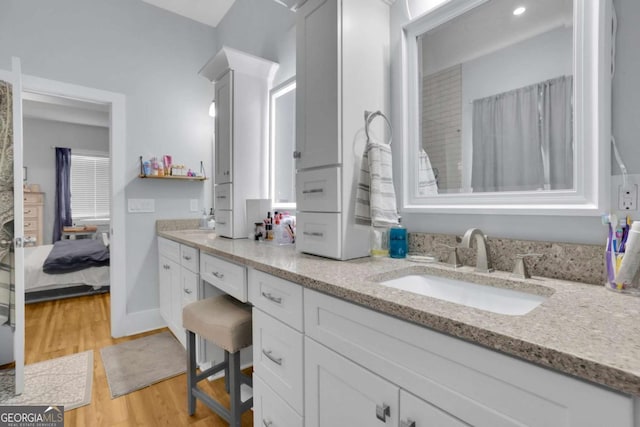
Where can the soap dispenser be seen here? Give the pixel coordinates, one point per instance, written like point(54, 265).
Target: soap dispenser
point(398, 243)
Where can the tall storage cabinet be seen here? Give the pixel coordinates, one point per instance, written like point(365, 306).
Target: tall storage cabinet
point(342, 71)
point(241, 150)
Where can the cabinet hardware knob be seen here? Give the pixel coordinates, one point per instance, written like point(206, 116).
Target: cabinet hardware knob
point(408, 423)
point(270, 356)
point(267, 423)
point(314, 234)
point(277, 300)
point(313, 190)
point(187, 257)
point(166, 267)
point(218, 274)
point(221, 223)
point(188, 291)
point(297, 154)
point(221, 197)
point(382, 412)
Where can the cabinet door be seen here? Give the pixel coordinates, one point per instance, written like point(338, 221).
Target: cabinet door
point(269, 409)
point(164, 282)
point(171, 297)
point(416, 412)
point(317, 138)
point(340, 393)
point(224, 128)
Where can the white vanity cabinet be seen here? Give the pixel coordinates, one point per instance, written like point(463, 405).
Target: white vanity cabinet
point(420, 375)
point(277, 350)
point(178, 277)
point(241, 95)
point(342, 62)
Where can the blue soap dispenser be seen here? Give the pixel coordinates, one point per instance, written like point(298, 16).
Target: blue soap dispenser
point(398, 243)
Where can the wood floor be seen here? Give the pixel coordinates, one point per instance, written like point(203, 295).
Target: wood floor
point(59, 328)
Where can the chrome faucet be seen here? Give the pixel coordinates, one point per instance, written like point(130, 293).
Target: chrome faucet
point(483, 260)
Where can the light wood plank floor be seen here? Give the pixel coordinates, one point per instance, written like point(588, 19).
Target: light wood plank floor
point(59, 328)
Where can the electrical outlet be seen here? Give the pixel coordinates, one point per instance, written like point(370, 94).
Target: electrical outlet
point(194, 205)
point(628, 197)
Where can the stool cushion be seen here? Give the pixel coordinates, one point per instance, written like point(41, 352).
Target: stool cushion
point(223, 320)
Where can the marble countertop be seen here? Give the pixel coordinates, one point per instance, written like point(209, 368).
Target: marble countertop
point(581, 330)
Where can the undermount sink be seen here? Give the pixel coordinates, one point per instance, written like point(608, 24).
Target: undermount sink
point(484, 297)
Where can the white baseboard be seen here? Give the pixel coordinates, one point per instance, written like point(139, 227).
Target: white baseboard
point(143, 321)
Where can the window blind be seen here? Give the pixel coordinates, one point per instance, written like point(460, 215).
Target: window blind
point(90, 184)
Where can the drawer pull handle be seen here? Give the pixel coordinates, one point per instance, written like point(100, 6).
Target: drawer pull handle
point(313, 190)
point(382, 412)
point(277, 300)
point(408, 423)
point(218, 274)
point(187, 257)
point(27, 212)
point(188, 291)
point(314, 233)
point(297, 155)
point(269, 354)
point(221, 223)
point(221, 197)
point(166, 267)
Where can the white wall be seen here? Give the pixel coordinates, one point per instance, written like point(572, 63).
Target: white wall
point(40, 160)
point(152, 57)
point(626, 127)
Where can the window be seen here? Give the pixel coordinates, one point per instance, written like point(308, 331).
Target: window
point(90, 184)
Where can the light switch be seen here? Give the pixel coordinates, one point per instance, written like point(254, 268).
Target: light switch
point(194, 205)
point(141, 205)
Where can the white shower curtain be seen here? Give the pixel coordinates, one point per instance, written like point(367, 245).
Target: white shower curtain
point(522, 139)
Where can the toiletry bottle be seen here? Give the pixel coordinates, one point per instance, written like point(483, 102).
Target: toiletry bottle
point(378, 241)
point(398, 240)
point(204, 220)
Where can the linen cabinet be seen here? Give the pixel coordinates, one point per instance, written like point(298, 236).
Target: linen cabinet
point(33, 215)
point(241, 155)
point(342, 56)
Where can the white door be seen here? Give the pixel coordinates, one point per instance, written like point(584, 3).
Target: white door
point(12, 222)
point(340, 393)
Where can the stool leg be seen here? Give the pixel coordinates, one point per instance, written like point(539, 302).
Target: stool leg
point(191, 372)
point(234, 393)
point(226, 371)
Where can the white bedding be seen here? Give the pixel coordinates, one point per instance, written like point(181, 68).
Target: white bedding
point(37, 280)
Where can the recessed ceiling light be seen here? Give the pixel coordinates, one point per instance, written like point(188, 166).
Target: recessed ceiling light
point(519, 10)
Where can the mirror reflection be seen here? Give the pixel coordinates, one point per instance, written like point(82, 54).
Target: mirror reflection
point(496, 92)
point(282, 130)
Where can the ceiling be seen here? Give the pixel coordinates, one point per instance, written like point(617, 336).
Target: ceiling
point(209, 12)
point(59, 109)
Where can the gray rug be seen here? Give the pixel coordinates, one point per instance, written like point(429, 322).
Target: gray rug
point(62, 381)
point(142, 362)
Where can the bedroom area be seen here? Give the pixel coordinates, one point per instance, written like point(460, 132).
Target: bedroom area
point(66, 198)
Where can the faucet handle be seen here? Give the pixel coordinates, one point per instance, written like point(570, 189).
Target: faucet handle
point(453, 259)
point(520, 269)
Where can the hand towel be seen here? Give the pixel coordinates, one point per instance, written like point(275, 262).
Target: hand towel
point(375, 194)
point(427, 184)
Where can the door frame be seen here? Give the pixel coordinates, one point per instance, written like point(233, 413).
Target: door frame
point(117, 150)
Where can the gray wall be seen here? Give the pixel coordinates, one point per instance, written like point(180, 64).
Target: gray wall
point(39, 157)
point(626, 128)
point(152, 57)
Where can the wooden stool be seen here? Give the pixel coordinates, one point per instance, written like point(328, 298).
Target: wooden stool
point(226, 322)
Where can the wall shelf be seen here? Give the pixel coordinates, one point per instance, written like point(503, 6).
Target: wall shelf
point(171, 177)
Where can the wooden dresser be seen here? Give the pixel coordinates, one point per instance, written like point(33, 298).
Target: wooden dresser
point(33, 215)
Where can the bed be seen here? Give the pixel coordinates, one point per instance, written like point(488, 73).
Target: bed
point(89, 279)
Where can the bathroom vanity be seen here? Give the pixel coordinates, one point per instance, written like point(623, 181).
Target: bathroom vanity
point(335, 346)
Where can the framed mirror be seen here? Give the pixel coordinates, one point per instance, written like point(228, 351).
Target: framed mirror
point(507, 107)
point(282, 141)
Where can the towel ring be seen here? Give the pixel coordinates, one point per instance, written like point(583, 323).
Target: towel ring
point(368, 118)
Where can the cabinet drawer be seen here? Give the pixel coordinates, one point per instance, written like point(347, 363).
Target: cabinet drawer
point(169, 248)
point(277, 297)
point(478, 386)
point(422, 413)
point(30, 224)
point(269, 409)
point(223, 194)
point(319, 234)
point(189, 288)
point(224, 223)
point(31, 212)
point(319, 190)
point(224, 275)
point(33, 198)
point(189, 258)
point(277, 357)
